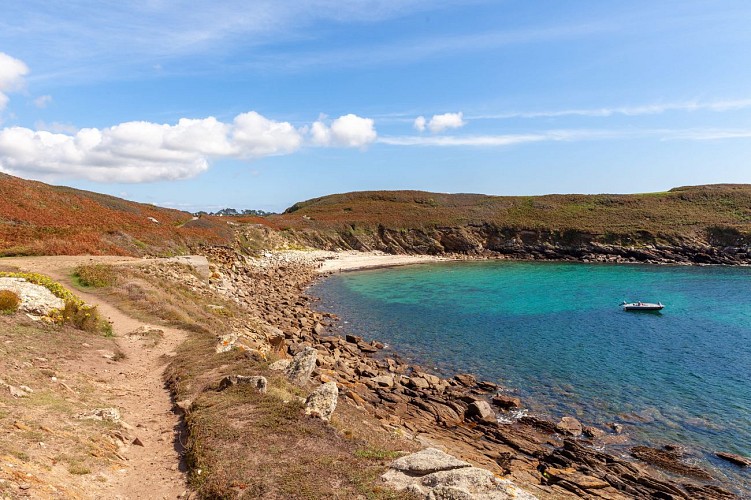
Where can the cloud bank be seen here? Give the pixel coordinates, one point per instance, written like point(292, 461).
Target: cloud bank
point(142, 151)
point(12, 72)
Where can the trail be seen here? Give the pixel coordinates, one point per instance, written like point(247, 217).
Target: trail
point(153, 470)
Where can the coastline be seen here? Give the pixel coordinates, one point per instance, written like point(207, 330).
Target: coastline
point(447, 412)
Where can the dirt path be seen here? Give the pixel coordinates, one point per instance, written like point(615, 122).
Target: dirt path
point(153, 470)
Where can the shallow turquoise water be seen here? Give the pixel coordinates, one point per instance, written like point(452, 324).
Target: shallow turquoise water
point(554, 334)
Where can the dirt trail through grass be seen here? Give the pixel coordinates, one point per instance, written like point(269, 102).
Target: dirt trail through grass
point(153, 470)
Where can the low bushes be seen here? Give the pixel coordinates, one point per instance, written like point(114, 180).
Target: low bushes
point(9, 302)
point(95, 275)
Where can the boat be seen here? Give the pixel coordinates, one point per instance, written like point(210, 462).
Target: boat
point(641, 306)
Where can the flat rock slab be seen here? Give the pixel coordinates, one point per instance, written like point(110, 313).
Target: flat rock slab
point(427, 461)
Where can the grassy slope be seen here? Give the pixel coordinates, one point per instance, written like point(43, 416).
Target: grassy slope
point(39, 219)
point(685, 211)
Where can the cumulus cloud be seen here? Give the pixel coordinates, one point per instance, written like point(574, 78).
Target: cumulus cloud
point(439, 123)
point(419, 123)
point(348, 131)
point(142, 151)
point(12, 71)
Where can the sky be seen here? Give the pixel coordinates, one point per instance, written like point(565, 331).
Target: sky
point(205, 105)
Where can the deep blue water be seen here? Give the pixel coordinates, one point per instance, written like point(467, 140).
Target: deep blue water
point(554, 334)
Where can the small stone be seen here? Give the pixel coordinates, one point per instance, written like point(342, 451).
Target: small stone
point(137, 442)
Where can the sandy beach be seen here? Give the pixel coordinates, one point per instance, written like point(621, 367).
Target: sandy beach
point(352, 260)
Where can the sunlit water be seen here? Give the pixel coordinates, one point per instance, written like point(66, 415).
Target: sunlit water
point(554, 334)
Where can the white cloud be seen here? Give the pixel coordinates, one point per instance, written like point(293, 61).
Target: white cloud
point(419, 123)
point(348, 131)
point(12, 71)
point(142, 151)
point(42, 101)
point(439, 123)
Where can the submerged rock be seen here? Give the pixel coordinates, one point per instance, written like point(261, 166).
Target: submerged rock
point(736, 459)
point(322, 402)
point(569, 426)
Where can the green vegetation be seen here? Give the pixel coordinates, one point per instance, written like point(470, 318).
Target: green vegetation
point(95, 275)
point(9, 302)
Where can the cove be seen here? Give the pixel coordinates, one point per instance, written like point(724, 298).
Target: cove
point(554, 334)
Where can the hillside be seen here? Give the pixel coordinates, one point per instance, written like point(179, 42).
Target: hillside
point(689, 220)
point(39, 219)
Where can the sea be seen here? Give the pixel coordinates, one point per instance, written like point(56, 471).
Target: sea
point(555, 335)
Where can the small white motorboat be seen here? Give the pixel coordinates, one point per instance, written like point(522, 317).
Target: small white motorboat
point(641, 306)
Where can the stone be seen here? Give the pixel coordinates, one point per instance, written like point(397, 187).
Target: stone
point(615, 427)
point(418, 383)
point(733, 458)
point(258, 382)
point(427, 461)
point(107, 414)
point(481, 411)
point(322, 402)
point(592, 432)
point(669, 460)
point(466, 379)
point(137, 442)
point(275, 337)
point(434, 475)
point(319, 329)
point(35, 299)
point(506, 402)
point(384, 380)
point(226, 343)
point(569, 426)
point(302, 366)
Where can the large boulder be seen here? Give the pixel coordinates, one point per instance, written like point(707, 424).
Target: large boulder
point(35, 299)
point(322, 402)
point(302, 366)
point(435, 475)
point(481, 411)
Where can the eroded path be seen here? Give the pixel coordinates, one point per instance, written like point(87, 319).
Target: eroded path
point(153, 460)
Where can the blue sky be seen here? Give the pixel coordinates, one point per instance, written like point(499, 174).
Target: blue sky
point(203, 105)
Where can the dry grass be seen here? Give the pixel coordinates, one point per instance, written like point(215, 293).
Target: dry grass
point(9, 302)
point(41, 441)
point(95, 275)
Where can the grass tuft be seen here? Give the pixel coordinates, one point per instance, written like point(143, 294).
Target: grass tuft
point(9, 302)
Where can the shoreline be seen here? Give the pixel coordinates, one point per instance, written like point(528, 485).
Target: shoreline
point(445, 411)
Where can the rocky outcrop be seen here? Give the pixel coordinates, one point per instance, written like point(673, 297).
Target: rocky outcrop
point(735, 459)
point(490, 240)
point(321, 403)
point(35, 299)
point(433, 474)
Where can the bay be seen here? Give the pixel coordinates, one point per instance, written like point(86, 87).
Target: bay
point(554, 334)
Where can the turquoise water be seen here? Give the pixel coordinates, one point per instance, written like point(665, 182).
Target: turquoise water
point(553, 333)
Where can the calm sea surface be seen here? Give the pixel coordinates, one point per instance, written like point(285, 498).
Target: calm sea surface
point(554, 334)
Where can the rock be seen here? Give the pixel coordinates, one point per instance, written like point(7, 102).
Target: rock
point(384, 380)
point(107, 414)
point(466, 379)
point(352, 339)
point(592, 432)
point(571, 475)
point(260, 383)
point(226, 342)
point(481, 411)
point(427, 461)
point(302, 366)
point(275, 338)
point(736, 459)
point(434, 475)
point(615, 427)
point(569, 426)
point(487, 386)
point(506, 402)
point(35, 299)
point(418, 383)
point(322, 401)
point(280, 365)
point(137, 442)
point(319, 329)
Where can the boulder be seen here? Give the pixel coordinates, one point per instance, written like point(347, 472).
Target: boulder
point(258, 382)
point(434, 475)
point(302, 366)
point(280, 365)
point(35, 299)
point(384, 380)
point(466, 379)
point(481, 411)
point(506, 402)
point(569, 426)
point(322, 402)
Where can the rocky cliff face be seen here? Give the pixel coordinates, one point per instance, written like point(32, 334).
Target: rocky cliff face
point(716, 246)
